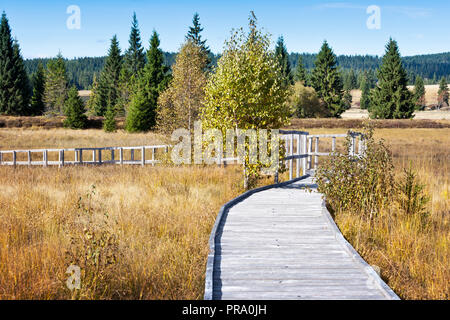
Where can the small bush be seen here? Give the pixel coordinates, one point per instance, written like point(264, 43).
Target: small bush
point(109, 124)
point(306, 104)
point(412, 198)
point(363, 185)
point(94, 249)
point(74, 110)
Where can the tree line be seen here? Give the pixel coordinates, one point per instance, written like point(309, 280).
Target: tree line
point(249, 85)
point(431, 68)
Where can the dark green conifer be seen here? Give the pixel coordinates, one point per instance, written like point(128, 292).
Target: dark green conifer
point(391, 98)
point(142, 112)
point(327, 82)
point(283, 59)
point(74, 111)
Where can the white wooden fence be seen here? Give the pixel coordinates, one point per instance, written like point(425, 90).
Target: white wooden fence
point(83, 156)
point(301, 149)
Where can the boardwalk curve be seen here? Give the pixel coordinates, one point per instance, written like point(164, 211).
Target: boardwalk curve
point(280, 242)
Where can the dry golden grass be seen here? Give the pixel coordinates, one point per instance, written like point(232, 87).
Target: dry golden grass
point(162, 217)
point(14, 138)
point(412, 251)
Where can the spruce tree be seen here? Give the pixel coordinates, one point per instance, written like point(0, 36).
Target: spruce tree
point(443, 93)
point(350, 81)
point(74, 111)
point(300, 72)
point(107, 91)
point(56, 85)
point(419, 93)
point(142, 111)
point(21, 94)
point(282, 57)
point(195, 36)
point(365, 93)
point(37, 100)
point(109, 124)
point(134, 59)
point(391, 98)
point(327, 82)
point(14, 84)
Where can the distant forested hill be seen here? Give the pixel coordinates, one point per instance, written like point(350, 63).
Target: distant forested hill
point(431, 67)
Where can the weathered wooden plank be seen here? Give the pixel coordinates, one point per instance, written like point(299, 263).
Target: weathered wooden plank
point(279, 244)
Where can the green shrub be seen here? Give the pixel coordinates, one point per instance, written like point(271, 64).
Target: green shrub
point(74, 110)
point(109, 124)
point(363, 185)
point(412, 198)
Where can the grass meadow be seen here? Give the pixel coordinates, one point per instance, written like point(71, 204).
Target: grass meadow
point(142, 233)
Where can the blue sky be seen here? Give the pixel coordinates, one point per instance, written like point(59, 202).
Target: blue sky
point(420, 27)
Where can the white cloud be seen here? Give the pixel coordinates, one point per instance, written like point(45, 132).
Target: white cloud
point(411, 12)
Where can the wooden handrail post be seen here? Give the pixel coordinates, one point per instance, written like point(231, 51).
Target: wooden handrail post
point(305, 151)
point(45, 158)
point(143, 156)
point(316, 158)
point(61, 158)
point(121, 156)
point(298, 153)
point(309, 152)
point(153, 157)
point(291, 152)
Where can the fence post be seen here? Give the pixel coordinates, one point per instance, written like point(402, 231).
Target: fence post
point(291, 152)
point(81, 156)
point(305, 151)
point(353, 145)
point(94, 156)
point(309, 152)
point(76, 155)
point(1, 157)
point(316, 158)
point(153, 157)
point(14, 158)
point(99, 156)
point(45, 158)
point(132, 154)
point(143, 156)
point(113, 156)
point(297, 169)
point(121, 156)
point(29, 157)
point(333, 145)
point(61, 158)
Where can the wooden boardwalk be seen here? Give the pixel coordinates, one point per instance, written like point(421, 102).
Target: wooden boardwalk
point(280, 242)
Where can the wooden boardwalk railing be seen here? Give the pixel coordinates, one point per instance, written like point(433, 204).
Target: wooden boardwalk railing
point(83, 156)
